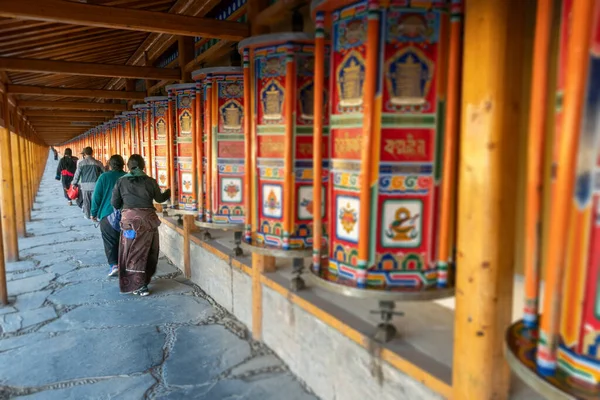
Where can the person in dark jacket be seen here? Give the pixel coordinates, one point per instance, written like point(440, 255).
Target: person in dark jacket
point(102, 209)
point(139, 247)
point(65, 171)
point(88, 171)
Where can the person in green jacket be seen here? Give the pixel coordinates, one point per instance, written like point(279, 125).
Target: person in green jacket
point(101, 209)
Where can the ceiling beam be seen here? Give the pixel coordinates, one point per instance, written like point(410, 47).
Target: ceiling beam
point(72, 105)
point(122, 18)
point(35, 120)
point(47, 113)
point(93, 93)
point(89, 69)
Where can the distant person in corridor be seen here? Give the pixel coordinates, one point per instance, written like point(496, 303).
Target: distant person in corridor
point(104, 212)
point(65, 172)
point(88, 171)
point(139, 247)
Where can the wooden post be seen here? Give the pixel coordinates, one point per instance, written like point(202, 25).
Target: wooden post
point(260, 263)
point(17, 177)
point(491, 111)
point(170, 149)
point(24, 171)
point(185, 47)
point(188, 228)
point(7, 200)
point(3, 288)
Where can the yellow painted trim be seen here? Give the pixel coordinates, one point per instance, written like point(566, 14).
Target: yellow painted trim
point(387, 355)
point(241, 266)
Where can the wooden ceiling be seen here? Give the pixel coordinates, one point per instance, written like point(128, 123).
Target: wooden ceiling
point(90, 42)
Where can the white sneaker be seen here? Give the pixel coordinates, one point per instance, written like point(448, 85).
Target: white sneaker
point(114, 271)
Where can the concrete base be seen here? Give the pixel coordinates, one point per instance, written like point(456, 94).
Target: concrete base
point(335, 363)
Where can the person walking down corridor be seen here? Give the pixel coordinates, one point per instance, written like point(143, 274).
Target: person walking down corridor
point(65, 171)
point(104, 212)
point(88, 171)
point(139, 247)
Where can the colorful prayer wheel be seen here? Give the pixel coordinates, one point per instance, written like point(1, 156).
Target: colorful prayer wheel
point(223, 150)
point(183, 99)
point(560, 355)
point(143, 127)
point(278, 77)
point(158, 131)
point(387, 85)
point(127, 133)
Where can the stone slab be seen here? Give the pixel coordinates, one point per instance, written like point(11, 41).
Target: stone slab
point(35, 241)
point(116, 388)
point(108, 290)
point(256, 364)
point(85, 274)
point(19, 266)
point(29, 284)
point(14, 322)
point(132, 350)
point(31, 301)
point(22, 340)
point(21, 275)
point(137, 311)
point(62, 267)
point(278, 387)
point(202, 353)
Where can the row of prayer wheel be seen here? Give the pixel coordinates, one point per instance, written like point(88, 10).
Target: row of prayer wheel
point(341, 153)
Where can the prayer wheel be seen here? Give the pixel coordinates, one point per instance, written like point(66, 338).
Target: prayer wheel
point(127, 133)
point(387, 104)
point(556, 347)
point(279, 83)
point(158, 131)
point(223, 146)
point(143, 128)
point(183, 101)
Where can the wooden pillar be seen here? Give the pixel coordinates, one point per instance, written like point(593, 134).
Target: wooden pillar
point(185, 47)
point(24, 174)
point(188, 228)
point(260, 263)
point(491, 111)
point(7, 198)
point(17, 176)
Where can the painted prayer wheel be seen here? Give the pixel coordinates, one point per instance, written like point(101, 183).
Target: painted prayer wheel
point(143, 126)
point(556, 347)
point(127, 133)
point(387, 88)
point(183, 100)
point(158, 131)
point(223, 150)
point(278, 74)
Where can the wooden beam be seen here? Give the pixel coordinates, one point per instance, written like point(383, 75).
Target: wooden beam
point(72, 105)
point(277, 12)
point(47, 113)
point(88, 69)
point(35, 120)
point(122, 18)
point(92, 93)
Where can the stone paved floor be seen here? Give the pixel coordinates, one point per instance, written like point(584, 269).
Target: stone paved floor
point(69, 334)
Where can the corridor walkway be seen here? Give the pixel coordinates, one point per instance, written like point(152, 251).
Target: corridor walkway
point(69, 334)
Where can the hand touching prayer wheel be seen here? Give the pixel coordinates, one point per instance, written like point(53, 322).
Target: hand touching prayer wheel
point(183, 100)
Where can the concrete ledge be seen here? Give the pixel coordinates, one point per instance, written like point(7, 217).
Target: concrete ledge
point(332, 354)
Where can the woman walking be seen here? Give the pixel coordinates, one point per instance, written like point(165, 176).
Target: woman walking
point(138, 250)
point(65, 172)
point(104, 212)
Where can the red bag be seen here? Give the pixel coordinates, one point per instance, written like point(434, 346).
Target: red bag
point(73, 192)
